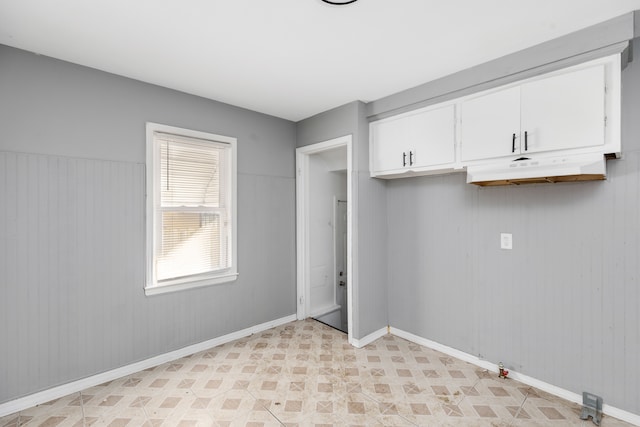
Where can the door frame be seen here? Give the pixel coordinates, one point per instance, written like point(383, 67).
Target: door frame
point(302, 224)
point(338, 240)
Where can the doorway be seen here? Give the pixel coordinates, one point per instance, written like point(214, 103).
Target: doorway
point(323, 188)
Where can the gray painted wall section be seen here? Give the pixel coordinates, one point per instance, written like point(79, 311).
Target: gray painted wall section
point(369, 198)
point(589, 43)
point(71, 224)
point(562, 306)
point(372, 238)
point(328, 125)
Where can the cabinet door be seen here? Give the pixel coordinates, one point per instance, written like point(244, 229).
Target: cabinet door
point(388, 138)
point(489, 124)
point(431, 137)
point(564, 111)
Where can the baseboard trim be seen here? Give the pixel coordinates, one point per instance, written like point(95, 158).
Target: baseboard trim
point(31, 400)
point(525, 379)
point(359, 343)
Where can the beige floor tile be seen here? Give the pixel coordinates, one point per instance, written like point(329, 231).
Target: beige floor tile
point(62, 417)
point(608, 422)
point(10, 420)
point(191, 419)
point(305, 373)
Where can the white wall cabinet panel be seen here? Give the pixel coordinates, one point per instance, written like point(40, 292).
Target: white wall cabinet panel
point(431, 137)
point(389, 141)
point(561, 112)
point(565, 111)
point(490, 125)
point(419, 141)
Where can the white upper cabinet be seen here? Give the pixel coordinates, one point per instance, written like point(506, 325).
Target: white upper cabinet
point(567, 112)
point(415, 142)
point(388, 143)
point(491, 125)
point(561, 112)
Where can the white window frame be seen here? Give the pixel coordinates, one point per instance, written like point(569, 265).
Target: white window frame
point(152, 286)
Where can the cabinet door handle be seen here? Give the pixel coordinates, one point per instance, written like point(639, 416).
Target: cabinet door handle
point(526, 142)
point(410, 158)
point(513, 143)
point(404, 159)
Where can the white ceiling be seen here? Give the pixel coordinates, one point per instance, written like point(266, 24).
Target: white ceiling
point(291, 58)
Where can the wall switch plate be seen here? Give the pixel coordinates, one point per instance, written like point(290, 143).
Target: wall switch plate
point(506, 241)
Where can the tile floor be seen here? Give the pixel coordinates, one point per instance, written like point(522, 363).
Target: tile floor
point(306, 374)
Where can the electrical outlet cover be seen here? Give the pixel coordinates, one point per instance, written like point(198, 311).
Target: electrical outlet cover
point(506, 241)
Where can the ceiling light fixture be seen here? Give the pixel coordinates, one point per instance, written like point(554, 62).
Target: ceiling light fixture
point(340, 3)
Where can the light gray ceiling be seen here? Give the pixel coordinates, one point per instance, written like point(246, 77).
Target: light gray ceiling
point(291, 58)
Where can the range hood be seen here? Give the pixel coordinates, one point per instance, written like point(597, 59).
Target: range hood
point(525, 170)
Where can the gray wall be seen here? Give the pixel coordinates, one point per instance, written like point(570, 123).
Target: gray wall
point(562, 306)
point(72, 153)
point(369, 233)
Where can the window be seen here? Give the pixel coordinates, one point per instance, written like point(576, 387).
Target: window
point(191, 204)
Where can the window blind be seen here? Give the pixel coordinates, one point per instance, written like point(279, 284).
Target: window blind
point(192, 209)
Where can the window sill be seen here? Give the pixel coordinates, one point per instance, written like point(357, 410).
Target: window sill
point(175, 287)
